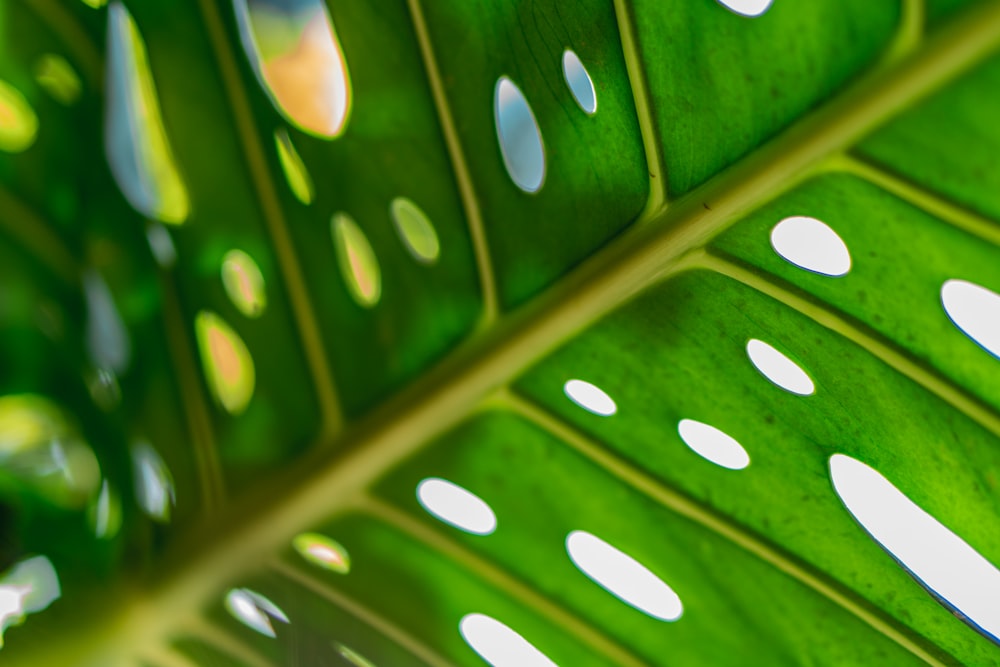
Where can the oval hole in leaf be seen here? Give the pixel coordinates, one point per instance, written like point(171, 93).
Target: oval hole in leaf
point(579, 82)
point(779, 369)
point(105, 513)
point(161, 245)
point(297, 57)
point(58, 78)
point(623, 576)
point(108, 341)
point(519, 136)
point(358, 264)
point(322, 551)
point(18, 122)
point(955, 573)
point(713, 445)
point(812, 245)
point(226, 361)
point(975, 310)
point(456, 506)
point(590, 397)
point(244, 283)
point(749, 8)
point(254, 610)
point(42, 449)
point(134, 137)
point(295, 170)
point(154, 485)
point(498, 645)
point(415, 230)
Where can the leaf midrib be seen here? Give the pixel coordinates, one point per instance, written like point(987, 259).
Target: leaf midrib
point(658, 244)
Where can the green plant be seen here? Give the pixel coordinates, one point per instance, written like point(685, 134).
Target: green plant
point(177, 430)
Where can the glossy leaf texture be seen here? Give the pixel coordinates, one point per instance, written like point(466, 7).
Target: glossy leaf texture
point(425, 333)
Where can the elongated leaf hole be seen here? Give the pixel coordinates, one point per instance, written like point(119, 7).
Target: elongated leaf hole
point(975, 310)
point(415, 230)
point(297, 57)
point(812, 245)
point(108, 341)
point(749, 8)
point(713, 445)
point(244, 283)
point(18, 122)
point(623, 576)
point(58, 78)
point(519, 136)
point(134, 137)
point(295, 170)
point(161, 245)
point(105, 513)
point(358, 264)
point(254, 610)
point(498, 645)
point(779, 369)
point(228, 366)
point(942, 562)
point(154, 485)
point(322, 551)
point(579, 82)
point(590, 397)
point(42, 449)
point(26, 588)
point(456, 506)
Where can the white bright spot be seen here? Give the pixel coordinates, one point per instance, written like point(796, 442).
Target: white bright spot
point(590, 397)
point(154, 485)
point(499, 645)
point(940, 560)
point(456, 506)
point(519, 136)
point(712, 444)
point(812, 245)
point(579, 82)
point(779, 369)
point(749, 8)
point(254, 610)
point(11, 606)
point(975, 310)
point(623, 576)
point(28, 587)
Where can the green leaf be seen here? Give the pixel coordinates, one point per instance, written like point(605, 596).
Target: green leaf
point(355, 303)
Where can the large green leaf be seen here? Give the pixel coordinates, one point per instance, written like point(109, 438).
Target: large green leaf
point(172, 496)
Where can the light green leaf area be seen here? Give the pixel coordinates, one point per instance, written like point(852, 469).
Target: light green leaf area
point(222, 465)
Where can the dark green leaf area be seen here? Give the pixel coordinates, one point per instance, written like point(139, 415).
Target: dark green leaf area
point(939, 10)
point(950, 143)
point(318, 629)
point(679, 352)
point(392, 146)
point(42, 357)
point(735, 605)
point(226, 214)
point(203, 653)
point(901, 257)
point(596, 179)
point(50, 174)
point(722, 83)
point(420, 589)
